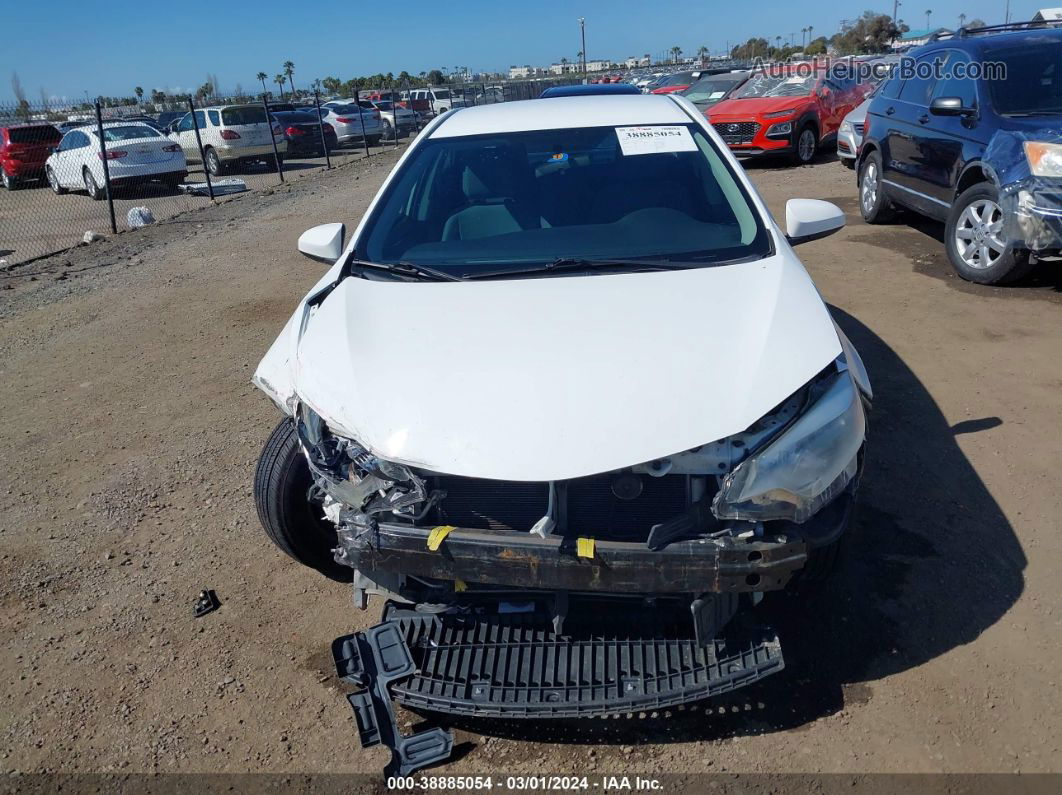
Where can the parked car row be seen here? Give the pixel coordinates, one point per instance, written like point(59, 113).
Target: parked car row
point(983, 155)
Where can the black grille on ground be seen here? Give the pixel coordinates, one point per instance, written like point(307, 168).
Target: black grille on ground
point(737, 132)
point(515, 666)
point(593, 510)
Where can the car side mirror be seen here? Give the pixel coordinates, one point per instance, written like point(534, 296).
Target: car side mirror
point(949, 106)
point(323, 243)
point(810, 219)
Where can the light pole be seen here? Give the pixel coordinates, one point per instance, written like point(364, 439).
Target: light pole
point(582, 33)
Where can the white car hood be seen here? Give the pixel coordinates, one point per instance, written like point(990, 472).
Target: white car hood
point(562, 377)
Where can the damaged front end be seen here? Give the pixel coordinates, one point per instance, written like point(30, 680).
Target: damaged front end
point(596, 595)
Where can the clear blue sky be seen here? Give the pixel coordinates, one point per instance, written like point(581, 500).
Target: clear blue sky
point(108, 47)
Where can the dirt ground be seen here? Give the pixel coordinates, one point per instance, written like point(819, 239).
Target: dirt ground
point(131, 431)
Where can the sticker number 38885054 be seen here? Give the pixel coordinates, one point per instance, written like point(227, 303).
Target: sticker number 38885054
point(654, 140)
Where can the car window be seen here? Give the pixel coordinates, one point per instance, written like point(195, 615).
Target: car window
point(710, 89)
point(186, 123)
point(473, 204)
point(215, 118)
point(953, 86)
point(251, 114)
point(1032, 84)
point(74, 140)
point(200, 119)
point(42, 134)
point(919, 88)
point(129, 133)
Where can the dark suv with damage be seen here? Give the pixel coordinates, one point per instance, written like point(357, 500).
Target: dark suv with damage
point(968, 131)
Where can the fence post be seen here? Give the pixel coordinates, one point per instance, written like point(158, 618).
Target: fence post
point(394, 111)
point(320, 122)
point(199, 143)
point(361, 118)
point(273, 138)
point(106, 169)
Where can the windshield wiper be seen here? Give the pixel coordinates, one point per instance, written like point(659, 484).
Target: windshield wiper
point(408, 269)
point(579, 264)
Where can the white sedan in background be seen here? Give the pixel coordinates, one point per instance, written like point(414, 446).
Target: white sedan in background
point(136, 153)
point(353, 123)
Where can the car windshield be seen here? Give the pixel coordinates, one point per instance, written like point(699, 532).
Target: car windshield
point(678, 79)
point(444, 94)
point(252, 114)
point(132, 132)
point(768, 85)
point(341, 109)
point(490, 203)
point(711, 89)
point(1033, 82)
point(382, 105)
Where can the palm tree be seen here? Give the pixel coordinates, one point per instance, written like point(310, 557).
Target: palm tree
point(139, 94)
point(262, 76)
point(962, 20)
point(289, 70)
point(778, 42)
point(564, 63)
point(702, 51)
point(279, 80)
point(928, 12)
point(676, 51)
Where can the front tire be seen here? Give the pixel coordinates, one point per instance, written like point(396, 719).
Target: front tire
point(973, 238)
point(10, 182)
point(807, 145)
point(282, 484)
point(53, 181)
point(873, 203)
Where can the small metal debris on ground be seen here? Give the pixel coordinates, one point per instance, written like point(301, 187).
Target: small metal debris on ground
point(91, 237)
point(206, 602)
point(138, 217)
point(221, 187)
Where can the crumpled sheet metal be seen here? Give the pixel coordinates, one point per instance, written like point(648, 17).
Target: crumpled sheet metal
point(1031, 205)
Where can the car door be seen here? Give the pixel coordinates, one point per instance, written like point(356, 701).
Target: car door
point(952, 141)
point(828, 96)
point(69, 158)
point(904, 171)
point(185, 136)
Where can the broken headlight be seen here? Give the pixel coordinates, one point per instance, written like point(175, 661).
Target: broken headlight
point(806, 466)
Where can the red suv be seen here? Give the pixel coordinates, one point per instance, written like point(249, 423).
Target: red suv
point(792, 111)
point(23, 150)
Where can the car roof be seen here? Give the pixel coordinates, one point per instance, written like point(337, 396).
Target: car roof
point(561, 113)
point(588, 90)
point(976, 42)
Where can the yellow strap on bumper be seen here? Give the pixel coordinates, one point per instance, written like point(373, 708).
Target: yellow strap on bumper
point(584, 547)
point(436, 536)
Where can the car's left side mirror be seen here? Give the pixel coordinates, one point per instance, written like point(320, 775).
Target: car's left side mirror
point(810, 219)
point(949, 106)
point(323, 243)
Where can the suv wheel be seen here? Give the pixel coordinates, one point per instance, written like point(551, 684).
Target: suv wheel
point(974, 239)
point(806, 146)
point(214, 164)
point(873, 203)
point(10, 182)
point(291, 518)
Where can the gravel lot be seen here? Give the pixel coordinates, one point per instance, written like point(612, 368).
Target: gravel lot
point(34, 221)
point(131, 432)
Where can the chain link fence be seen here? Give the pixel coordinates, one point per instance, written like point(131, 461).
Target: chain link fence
point(92, 168)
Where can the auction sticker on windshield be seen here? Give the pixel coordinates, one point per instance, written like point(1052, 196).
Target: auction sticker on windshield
point(654, 140)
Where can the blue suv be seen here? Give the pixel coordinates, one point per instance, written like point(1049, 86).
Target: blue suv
point(968, 131)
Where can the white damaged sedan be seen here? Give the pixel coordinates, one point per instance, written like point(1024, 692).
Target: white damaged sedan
point(566, 388)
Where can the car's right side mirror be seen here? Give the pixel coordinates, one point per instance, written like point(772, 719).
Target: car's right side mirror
point(810, 219)
point(949, 106)
point(323, 243)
